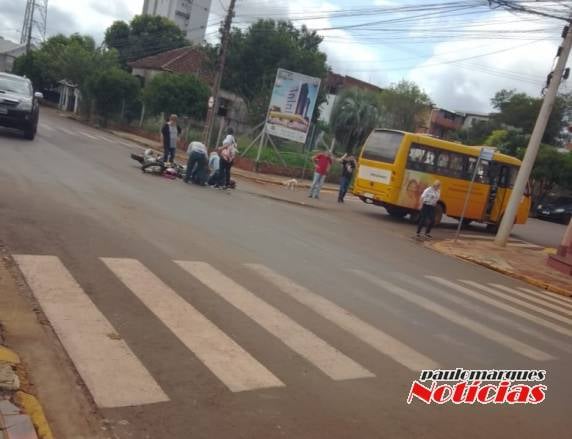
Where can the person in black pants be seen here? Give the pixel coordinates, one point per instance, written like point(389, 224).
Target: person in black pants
point(197, 163)
point(429, 199)
point(348, 167)
point(170, 134)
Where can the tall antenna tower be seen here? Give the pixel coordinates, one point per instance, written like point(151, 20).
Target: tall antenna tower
point(35, 20)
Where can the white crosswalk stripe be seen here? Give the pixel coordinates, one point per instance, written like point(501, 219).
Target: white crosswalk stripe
point(113, 374)
point(473, 308)
point(117, 378)
point(522, 303)
point(532, 298)
point(215, 349)
point(501, 305)
point(326, 358)
point(379, 340)
point(550, 297)
point(463, 321)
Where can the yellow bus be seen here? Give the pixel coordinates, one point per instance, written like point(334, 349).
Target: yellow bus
point(395, 167)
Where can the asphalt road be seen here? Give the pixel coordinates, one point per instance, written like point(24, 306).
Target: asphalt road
point(151, 288)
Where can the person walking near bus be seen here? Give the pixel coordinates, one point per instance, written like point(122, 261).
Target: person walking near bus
point(170, 135)
point(323, 162)
point(348, 162)
point(429, 199)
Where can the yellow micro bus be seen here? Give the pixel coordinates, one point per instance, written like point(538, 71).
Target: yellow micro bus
point(395, 167)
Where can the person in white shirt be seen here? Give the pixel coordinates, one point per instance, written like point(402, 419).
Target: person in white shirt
point(429, 199)
point(214, 165)
point(197, 163)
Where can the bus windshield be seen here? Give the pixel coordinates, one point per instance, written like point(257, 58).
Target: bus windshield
point(382, 146)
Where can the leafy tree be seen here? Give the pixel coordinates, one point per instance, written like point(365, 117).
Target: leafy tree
point(519, 110)
point(551, 168)
point(180, 94)
point(112, 88)
point(255, 54)
point(354, 116)
point(509, 141)
point(477, 133)
point(145, 35)
point(403, 105)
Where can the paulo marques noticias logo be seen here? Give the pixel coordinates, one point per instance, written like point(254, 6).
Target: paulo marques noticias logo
point(489, 386)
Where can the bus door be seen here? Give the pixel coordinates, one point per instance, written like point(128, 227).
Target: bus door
point(500, 177)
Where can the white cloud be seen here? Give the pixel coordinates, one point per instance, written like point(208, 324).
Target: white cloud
point(469, 85)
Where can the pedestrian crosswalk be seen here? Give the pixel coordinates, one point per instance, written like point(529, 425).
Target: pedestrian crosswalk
point(116, 377)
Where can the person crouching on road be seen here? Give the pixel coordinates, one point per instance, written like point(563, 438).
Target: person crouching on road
point(170, 135)
point(348, 162)
point(429, 199)
point(214, 165)
point(323, 162)
point(197, 163)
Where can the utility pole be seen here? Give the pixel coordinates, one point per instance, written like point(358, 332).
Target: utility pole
point(225, 39)
point(535, 139)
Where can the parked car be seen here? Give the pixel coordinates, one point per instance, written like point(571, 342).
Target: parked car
point(19, 105)
point(556, 209)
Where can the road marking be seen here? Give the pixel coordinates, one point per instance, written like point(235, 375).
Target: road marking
point(46, 127)
point(106, 139)
point(83, 133)
point(235, 367)
point(473, 307)
point(125, 143)
point(552, 297)
point(367, 333)
point(522, 303)
point(501, 305)
point(328, 359)
point(532, 298)
point(65, 130)
point(467, 323)
point(113, 374)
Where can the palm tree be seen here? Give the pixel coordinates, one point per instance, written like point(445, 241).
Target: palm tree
point(354, 116)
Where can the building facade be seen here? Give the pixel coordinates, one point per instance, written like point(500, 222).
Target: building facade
point(9, 51)
point(190, 15)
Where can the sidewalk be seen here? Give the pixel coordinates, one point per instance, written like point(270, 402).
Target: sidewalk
point(526, 264)
point(250, 175)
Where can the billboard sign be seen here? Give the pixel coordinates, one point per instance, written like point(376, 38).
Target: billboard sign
point(292, 105)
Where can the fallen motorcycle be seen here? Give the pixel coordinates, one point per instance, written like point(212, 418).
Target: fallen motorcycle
point(152, 163)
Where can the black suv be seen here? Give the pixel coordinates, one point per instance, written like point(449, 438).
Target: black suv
point(19, 106)
point(556, 209)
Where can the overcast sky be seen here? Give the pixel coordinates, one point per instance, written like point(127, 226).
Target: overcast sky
point(461, 55)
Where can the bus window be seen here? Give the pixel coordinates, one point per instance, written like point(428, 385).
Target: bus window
point(443, 163)
point(382, 146)
point(482, 175)
point(456, 165)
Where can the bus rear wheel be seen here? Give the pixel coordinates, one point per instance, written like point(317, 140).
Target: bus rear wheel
point(396, 212)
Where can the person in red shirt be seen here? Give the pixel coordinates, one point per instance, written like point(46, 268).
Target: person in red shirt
point(323, 162)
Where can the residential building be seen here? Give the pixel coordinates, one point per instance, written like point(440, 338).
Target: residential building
point(334, 84)
point(440, 123)
point(70, 96)
point(472, 118)
point(190, 15)
point(9, 51)
point(192, 61)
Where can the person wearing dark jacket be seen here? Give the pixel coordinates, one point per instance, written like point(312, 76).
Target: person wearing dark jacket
point(170, 135)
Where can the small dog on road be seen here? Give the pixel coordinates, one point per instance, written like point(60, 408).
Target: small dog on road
point(291, 184)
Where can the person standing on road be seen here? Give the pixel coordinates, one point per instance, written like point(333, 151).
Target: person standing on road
point(214, 165)
point(323, 162)
point(348, 162)
point(197, 163)
point(170, 135)
point(229, 142)
point(429, 199)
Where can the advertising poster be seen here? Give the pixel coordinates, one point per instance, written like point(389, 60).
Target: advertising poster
point(292, 105)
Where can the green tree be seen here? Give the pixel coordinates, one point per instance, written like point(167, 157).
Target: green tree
point(112, 89)
point(508, 141)
point(519, 110)
point(255, 55)
point(354, 116)
point(179, 94)
point(551, 168)
point(403, 105)
point(145, 35)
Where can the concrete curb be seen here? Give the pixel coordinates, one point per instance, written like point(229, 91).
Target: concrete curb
point(33, 408)
point(507, 272)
